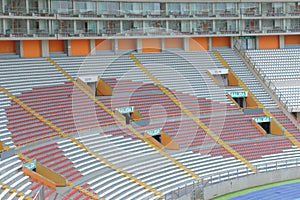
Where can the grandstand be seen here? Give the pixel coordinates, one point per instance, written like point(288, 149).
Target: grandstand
point(147, 100)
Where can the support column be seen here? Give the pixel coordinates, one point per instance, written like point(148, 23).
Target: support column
point(17, 45)
point(139, 45)
point(186, 44)
point(121, 26)
point(73, 7)
point(257, 42)
point(231, 42)
point(28, 26)
point(45, 48)
point(120, 9)
point(49, 7)
point(115, 46)
point(92, 47)
point(75, 27)
point(68, 47)
point(210, 43)
point(27, 6)
point(50, 27)
point(162, 44)
point(214, 26)
point(281, 41)
point(3, 6)
point(260, 25)
point(21, 49)
point(4, 26)
point(260, 8)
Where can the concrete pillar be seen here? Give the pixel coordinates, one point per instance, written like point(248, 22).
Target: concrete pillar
point(120, 9)
point(49, 7)
point(97, 27)
point(28, 26)
point(281, 41)
point(97, 7)
point(231, 42)
point(115, 46)
point(74, 7)
point(4, 26)
point(213, 8)
point(186, 44)
point(3, 5)
point(45, 48)
point(121, 27)
point(27, 6)
point(257, 42)
point(92, 47)
point(75, 27)
point(260, 25)
point(260, 8)
point(68, 47)
point(18, 48)
point(139, 45)
point(21, 49)
point(214, 26)
point(50, 27)
point(162, 44)
point(209, 43)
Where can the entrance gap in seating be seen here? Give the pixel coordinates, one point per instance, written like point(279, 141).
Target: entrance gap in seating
point(240, 101)
point(239, 98)
point(296, 115)
point(220, 76)
point(88, 83)
point(128, 114)
point(160, 139)
point(157, 137)
point(127, 118)
point(265, 126)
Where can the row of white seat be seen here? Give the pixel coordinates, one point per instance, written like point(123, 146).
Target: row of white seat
point(277, 65)
point(12, 176)
point(241, 70)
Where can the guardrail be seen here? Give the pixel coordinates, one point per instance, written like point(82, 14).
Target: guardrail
point(195, 190)
point(275, 91)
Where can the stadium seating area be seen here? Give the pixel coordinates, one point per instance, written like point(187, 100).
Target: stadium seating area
point(79, 138)
point(280, 69)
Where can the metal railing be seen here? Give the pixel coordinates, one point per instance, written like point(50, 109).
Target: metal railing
point(196, 188)
point(275, 91)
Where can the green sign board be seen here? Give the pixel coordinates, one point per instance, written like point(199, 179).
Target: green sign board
point(238, 94)
point(30, 165)
point(125, 110)
point(247, 37)
point(262, 119)
point(154, 132)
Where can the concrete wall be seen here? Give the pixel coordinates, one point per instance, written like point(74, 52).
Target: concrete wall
point(250, 181)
